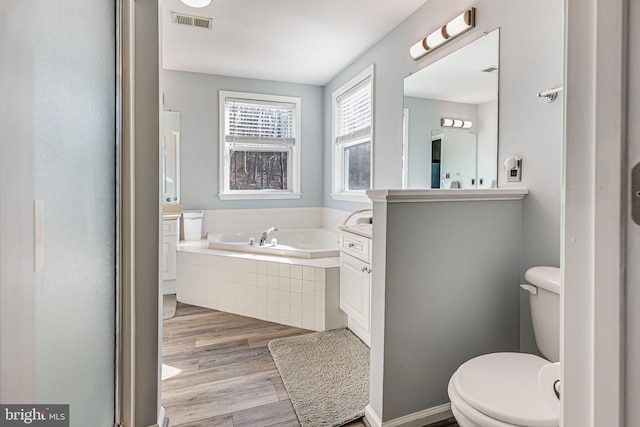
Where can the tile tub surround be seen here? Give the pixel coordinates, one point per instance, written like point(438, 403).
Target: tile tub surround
point(250, 220)
point(297, 292)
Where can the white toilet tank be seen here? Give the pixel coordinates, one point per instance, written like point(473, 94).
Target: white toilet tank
point(545, 309)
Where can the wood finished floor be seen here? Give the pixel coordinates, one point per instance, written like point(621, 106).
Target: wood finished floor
point(222, 373)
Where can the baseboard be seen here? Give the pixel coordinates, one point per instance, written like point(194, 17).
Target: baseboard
point(371, 416)
point(169, 287)
point(162, 418)
point(417, 419)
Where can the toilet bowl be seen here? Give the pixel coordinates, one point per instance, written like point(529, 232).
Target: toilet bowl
point(503, 389)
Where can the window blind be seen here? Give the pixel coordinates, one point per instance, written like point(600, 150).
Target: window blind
point(259, 122)
point(354, 112)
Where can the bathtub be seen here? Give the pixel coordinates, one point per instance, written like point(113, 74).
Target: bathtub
point(300, 292)
point(296, 243)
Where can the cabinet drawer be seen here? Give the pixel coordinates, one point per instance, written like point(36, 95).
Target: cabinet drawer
point(170, 227)
point(356, 246)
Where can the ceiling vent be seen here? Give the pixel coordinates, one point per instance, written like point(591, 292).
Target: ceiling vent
point(491, 69)
point(192, 21)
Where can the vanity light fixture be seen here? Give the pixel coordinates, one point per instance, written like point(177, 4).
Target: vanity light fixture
point(196, 3)
point(458, 25)
point(455, 123)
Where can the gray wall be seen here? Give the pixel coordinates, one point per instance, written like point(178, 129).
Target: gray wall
point(195, 96)
point(450, 294)
point(531, 60)
point(424, 116)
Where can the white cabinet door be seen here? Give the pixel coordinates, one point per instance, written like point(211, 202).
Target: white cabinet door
point(169, 258)
point(355, 290)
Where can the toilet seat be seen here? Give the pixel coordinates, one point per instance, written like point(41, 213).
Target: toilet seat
point(504, 387)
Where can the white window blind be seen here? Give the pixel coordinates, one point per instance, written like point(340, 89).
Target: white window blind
point(259, 122)
point(354, 112)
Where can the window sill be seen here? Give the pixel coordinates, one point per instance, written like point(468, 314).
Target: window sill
point(351, 197)
point(258, 196)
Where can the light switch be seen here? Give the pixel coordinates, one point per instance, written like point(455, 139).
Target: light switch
point(513, 165)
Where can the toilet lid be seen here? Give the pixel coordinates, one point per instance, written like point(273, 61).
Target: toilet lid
point(505, 386)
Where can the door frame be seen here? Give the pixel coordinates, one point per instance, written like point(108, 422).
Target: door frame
point(139, 211)
point(593, 212)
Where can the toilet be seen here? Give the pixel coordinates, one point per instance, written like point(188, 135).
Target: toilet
point(503, 389)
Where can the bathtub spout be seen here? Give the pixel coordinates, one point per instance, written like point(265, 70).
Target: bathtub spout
point(265, 234)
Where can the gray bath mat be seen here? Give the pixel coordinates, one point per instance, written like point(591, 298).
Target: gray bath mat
point(326, 375)
point(168, 306)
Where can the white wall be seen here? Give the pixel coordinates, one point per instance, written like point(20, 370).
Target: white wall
point(531, 60)
point(195, 96)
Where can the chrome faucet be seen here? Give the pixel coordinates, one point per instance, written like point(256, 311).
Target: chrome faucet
point(265, 234)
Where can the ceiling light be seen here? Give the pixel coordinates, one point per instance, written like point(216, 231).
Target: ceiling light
point(458, 25)
point(196, 3)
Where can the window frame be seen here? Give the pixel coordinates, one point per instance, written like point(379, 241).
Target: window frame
point(293, 176)
point(339, 184)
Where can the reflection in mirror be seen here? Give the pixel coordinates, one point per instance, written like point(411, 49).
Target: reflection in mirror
point(453, 159)
point(171, 157)
point(462, 85)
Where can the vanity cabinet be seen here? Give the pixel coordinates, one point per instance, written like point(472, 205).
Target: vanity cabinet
point(355, 283)
point(170, 229)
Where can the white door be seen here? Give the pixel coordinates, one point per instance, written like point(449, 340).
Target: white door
point(57, 206)
point(355, 279)
point(632, 296)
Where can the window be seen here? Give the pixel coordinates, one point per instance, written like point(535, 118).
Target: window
point(352, 137)
point(259, 146)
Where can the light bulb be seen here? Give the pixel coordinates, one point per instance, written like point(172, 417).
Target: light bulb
point(196, 3)
point(457, 123)
point(418, 50)
point(459, 24)
point(467, 124)
point(435, 39)
point(446, 122)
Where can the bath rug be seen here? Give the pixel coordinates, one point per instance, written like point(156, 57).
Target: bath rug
point(169, 303)
point(326, 375)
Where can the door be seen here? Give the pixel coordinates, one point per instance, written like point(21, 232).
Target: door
point(632, 373)
point(58, 206)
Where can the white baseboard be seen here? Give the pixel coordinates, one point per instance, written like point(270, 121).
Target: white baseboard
point(169, 287)
point(417, 419)
point(161, 417)
point(371, 416)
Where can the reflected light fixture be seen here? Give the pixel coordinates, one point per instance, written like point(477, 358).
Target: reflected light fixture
point(458, 25)
point(196, 3)
point(455, 123)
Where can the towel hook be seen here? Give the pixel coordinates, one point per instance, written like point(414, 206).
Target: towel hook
point(550, 95)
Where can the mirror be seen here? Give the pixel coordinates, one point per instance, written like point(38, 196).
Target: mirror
point(463, 86)
point(171, 157)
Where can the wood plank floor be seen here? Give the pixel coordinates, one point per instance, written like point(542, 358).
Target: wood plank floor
point(218, 371)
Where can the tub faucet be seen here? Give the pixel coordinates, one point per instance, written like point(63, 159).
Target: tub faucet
point(265, 234)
